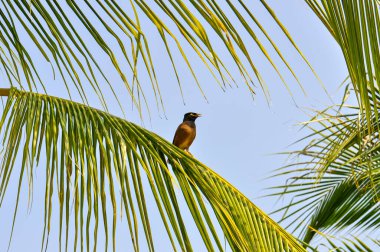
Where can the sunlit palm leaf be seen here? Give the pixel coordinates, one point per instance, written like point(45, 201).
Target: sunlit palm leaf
point(70, 35)
point(355, 26)
point(90, 155)
point(348, 244)
point(335, 185)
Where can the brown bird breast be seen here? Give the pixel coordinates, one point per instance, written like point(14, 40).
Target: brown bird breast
point(185, 134)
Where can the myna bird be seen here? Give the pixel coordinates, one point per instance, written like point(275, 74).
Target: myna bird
point(186, 131)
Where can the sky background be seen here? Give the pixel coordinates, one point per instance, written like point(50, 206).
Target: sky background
point(237, 135)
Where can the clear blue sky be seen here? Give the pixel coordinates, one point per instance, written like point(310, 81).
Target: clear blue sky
point(236, 135)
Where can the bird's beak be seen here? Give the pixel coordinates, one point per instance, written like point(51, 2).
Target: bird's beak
point(199, 115)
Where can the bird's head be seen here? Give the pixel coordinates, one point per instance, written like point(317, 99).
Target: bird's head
point(191, 116)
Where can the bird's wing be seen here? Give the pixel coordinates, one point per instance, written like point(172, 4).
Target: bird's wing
point(179, 133)
point(175, 137)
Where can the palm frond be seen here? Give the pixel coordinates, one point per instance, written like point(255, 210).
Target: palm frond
point(347, 244)
point(354, 25)
point(69, 36)
point(335, 186)
point(90, 155)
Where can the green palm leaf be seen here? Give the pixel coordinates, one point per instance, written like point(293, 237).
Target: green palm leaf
point(354, 25)
point(335, 183)
point(70, 35)
point(350, 244)
point(335, 186)
point(90, 155)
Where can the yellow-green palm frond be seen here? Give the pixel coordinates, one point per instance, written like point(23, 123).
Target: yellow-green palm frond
point(70, 35)
point(91, 155)
point(348, 244)
point(334, 182)
point(355, 26)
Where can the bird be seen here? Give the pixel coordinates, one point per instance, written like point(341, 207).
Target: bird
point(186, 131)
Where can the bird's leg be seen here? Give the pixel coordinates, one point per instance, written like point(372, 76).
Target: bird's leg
point(188, 152)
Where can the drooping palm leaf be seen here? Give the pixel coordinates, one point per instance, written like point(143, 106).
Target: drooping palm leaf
point(70, 35)
point(335, 185)
point(90, 155)
point(355, 26)
point(347, 244)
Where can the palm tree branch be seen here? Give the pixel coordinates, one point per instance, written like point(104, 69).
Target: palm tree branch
point(104, 154)
point(52, 30)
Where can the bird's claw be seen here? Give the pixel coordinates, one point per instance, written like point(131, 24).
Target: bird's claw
point(189, 153)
